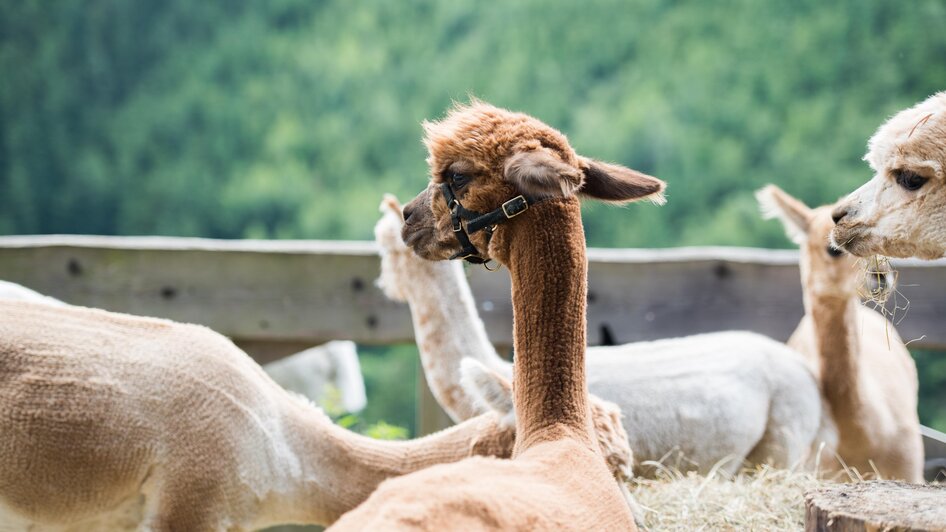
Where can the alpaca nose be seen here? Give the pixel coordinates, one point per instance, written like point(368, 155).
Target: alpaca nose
point(839, 213)
point(417, 206)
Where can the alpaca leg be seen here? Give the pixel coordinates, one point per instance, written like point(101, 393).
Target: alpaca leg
point(784, 444)
point(775, 449)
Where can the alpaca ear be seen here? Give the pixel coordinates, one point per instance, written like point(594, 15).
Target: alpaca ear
point(794, 215)
point(539, 172)
point(490, 391)
point(619, 184)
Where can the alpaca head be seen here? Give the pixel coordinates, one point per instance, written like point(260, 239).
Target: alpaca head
point(400, 269)
point(825, 269)
point(899, 212)
point(487, 156)
point(493, 393)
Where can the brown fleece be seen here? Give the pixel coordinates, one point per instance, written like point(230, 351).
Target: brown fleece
point(557, 479)
point(549, 383)
point(116, 422)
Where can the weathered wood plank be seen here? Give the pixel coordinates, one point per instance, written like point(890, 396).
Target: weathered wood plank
point(650, 294)
point(272, 293)
point(875, 505)
point(252, 291)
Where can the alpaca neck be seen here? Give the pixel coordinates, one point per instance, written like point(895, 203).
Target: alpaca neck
point(448, 329)
point(544, 249)
point(338, 469)
point(834, 320)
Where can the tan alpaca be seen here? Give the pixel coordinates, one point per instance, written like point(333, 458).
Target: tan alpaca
point(901, 212)
point(117, 422)
point(113, 422)
point(720, 400)
point(557, 478)
point(311, 372)
point(867, 375)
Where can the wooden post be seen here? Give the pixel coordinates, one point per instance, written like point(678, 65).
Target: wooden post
point(878, 505)
point(429, 416)
point(934, 449)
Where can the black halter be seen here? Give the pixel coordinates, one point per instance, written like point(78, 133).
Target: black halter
point(476, 221)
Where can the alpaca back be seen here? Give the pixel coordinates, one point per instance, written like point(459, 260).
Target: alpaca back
point(729, 391)
point(98, 407)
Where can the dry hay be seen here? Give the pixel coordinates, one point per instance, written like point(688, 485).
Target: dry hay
point(885, 298)
point(760, 499)
point(879, 284)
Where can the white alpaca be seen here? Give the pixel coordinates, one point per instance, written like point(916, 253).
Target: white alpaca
point(866, 373)
point(724, 397)
point(900, 212)
point(15, 292)
point(315, 371)
point(311, 373)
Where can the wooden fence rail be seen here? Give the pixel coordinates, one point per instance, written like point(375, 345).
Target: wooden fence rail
point(274, 297)
point(277, 297)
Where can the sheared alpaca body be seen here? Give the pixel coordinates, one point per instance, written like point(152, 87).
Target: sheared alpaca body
point(557, 478)
point(867, 375)
point(900, 212)
point(311, 373)
point(117, 422)
point(731, 397)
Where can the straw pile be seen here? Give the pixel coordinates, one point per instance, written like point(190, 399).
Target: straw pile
point(762, 499)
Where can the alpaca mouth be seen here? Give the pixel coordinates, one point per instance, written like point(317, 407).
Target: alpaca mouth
point(854, 240)
point(414, 238)
point(423, 242)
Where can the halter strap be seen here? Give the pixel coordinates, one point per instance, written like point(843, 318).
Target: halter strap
point(476, 221)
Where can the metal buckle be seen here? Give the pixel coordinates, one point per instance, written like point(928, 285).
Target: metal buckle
point(516, 206)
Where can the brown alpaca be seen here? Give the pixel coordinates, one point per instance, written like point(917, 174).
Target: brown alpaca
point(867, 376)
point(557, 478)
point(711, 377)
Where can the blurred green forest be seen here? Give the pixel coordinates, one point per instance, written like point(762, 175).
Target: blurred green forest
point(289, 118)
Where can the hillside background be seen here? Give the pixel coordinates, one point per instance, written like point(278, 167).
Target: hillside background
point(288, 118)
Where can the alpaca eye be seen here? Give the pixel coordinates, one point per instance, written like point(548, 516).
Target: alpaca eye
point(835, 252)
point(459, 180)
point(910, 180)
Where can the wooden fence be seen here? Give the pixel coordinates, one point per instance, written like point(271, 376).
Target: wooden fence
point(277, 297)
